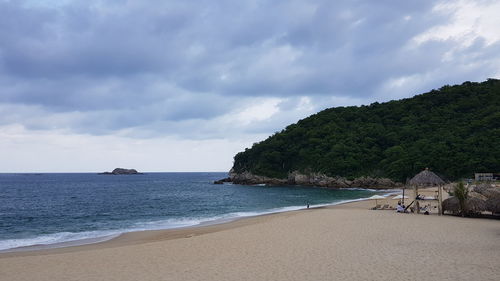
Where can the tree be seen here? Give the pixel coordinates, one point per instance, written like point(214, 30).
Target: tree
point(454, 129)
point(462, 193)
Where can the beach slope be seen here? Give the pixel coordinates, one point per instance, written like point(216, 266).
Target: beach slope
point(346, 242)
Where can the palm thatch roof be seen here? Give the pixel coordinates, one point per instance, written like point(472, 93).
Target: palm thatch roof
point(493, 201)
point(473, 205)
point(492, 193)
point(426, 178)
point(452, 205)
point(480, 188)
point(477, 195)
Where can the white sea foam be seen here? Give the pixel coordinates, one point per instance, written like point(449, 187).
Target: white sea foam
point(58, 238)
point(360, 188)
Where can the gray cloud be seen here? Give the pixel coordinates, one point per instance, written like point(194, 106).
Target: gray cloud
point(184, 68)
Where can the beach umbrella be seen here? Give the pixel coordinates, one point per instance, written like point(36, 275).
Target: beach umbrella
point(399, 197)
point(376, 198)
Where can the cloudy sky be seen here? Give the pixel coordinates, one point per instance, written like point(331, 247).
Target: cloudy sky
point(183, 85)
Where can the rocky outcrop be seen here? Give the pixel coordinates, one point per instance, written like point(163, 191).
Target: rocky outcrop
point(369, 182)
point(249, 178)
point(313, 179)
point(121, 171)
point(222, 181)
point(318, 179)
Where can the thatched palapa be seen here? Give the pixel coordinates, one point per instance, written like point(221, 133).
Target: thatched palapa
point(481, 188)
point(477, 195)
point(473, 205)
point(493, 201)
point(451, 205)
point(426, 178)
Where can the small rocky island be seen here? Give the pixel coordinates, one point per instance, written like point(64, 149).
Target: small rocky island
point(122, 171)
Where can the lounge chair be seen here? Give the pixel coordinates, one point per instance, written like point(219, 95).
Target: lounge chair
point(386, 206)
point(376, 207)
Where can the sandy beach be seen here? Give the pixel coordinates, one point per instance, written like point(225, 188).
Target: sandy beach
point(344, 242)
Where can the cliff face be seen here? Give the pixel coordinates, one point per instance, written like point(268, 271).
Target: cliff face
point(314, 179)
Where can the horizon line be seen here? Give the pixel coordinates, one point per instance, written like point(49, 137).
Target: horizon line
point(98, 172)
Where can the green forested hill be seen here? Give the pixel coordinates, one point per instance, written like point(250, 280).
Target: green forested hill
point(455, 131)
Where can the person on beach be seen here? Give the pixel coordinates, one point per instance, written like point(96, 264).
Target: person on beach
point(400, 208)
point(307, 205)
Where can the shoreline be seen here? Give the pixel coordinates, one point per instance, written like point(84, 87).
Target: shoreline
point(100, 240)
point(346, 241)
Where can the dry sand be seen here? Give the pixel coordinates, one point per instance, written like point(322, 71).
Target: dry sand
point(346, 242)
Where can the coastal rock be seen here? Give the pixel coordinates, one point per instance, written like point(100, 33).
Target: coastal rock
point(317, 179)
point(312, 179)
point(122, 171)
point(369, 182)
point(222, 181)
point(249, 179)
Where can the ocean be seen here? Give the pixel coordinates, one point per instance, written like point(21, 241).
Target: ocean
point(53, 209)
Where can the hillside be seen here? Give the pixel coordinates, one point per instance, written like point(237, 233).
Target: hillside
point(455, 131)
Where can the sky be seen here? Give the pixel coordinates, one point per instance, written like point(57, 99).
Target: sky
point(90, 85)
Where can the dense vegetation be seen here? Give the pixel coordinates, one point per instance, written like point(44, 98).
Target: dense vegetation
point(455, 131)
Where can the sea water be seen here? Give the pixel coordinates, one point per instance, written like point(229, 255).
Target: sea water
point(50, 209)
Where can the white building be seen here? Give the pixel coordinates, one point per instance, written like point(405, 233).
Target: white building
point(483, 176)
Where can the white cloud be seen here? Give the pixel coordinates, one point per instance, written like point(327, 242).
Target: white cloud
point(190, 81)
point(260, 110)
point(470, 20)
